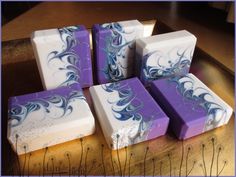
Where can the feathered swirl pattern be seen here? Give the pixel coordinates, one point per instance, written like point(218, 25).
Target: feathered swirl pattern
point(19, 112)
point(67, 56)
point(216, 114)
point(115, 46)
point(127, 107)
point(166, 65)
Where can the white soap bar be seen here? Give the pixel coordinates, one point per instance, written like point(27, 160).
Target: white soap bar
point(48, 118)
point(127, 113)
point(63, 56)
point(164, 55)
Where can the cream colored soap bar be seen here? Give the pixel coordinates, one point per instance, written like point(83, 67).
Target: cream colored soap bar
point(127, 113)
point(63, 56)
point(164, 55)
point(48, 118)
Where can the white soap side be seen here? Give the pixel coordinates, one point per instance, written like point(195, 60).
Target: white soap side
point(140, 45)
point(215, 99)
point(36, 54)
point(41, 129)
point(101, 115)
point(152, 43)
point(133, 31)
point(45, 42)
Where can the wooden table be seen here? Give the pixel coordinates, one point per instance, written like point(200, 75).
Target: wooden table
point(91, 155)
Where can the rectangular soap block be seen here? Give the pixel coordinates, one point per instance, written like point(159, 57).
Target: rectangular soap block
point(47, 118)
point(114, 49)
point(164, 55)
point(127, 113)
point(63, 56)
point(192, 107)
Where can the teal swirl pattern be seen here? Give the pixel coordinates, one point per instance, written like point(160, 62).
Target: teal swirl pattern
point(19, 112)
point(180, 66)
point(68, 56)
point(202, 98)
point(114, 49)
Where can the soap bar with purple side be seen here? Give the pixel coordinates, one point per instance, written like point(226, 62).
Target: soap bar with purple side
point(192, 107)
point(63, 56)
point(114, 49)
point(43, 119)
point(127, 113)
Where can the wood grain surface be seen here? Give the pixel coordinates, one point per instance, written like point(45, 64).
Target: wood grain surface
point(208, 154)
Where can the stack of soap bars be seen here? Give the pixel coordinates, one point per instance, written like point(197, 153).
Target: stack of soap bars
point(125, 62)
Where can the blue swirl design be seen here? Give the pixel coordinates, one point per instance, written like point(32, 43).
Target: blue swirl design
point(19, 112)
point(180, 66)
point(68, 56)
point(127, 107)
point(201, 98)
point(115, 46)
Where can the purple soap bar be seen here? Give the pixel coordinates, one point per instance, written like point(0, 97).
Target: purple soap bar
point(63, 56)
point(127, 113)
point(192, 107)
point(114, 49)
point(43, 119)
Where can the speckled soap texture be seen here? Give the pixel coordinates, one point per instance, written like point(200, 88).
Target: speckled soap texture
point(47, 118)
point(63, 56)
point(114, 49)
point(127, 113)
point(192, 107)
point(164, 55)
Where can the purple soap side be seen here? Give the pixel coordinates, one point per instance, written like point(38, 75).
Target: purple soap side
point(150, 111)
point(99, 36)
point(95, 51)
point(183, 121)
point(83, 51)
point(174, 123)
point(60, 98)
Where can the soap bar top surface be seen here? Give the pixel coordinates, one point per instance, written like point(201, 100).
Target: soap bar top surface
point(127, 110)
point(115, 49)
point(151, 42)
point(191, 101)
point(63, 56)
point(40, 118)
point(164, 55)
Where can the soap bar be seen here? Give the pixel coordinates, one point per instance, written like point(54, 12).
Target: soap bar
point(192, 107)
point(47, 118)
point(114, 49)
point(164, 55)
point(127, 113)
point(63, 56)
